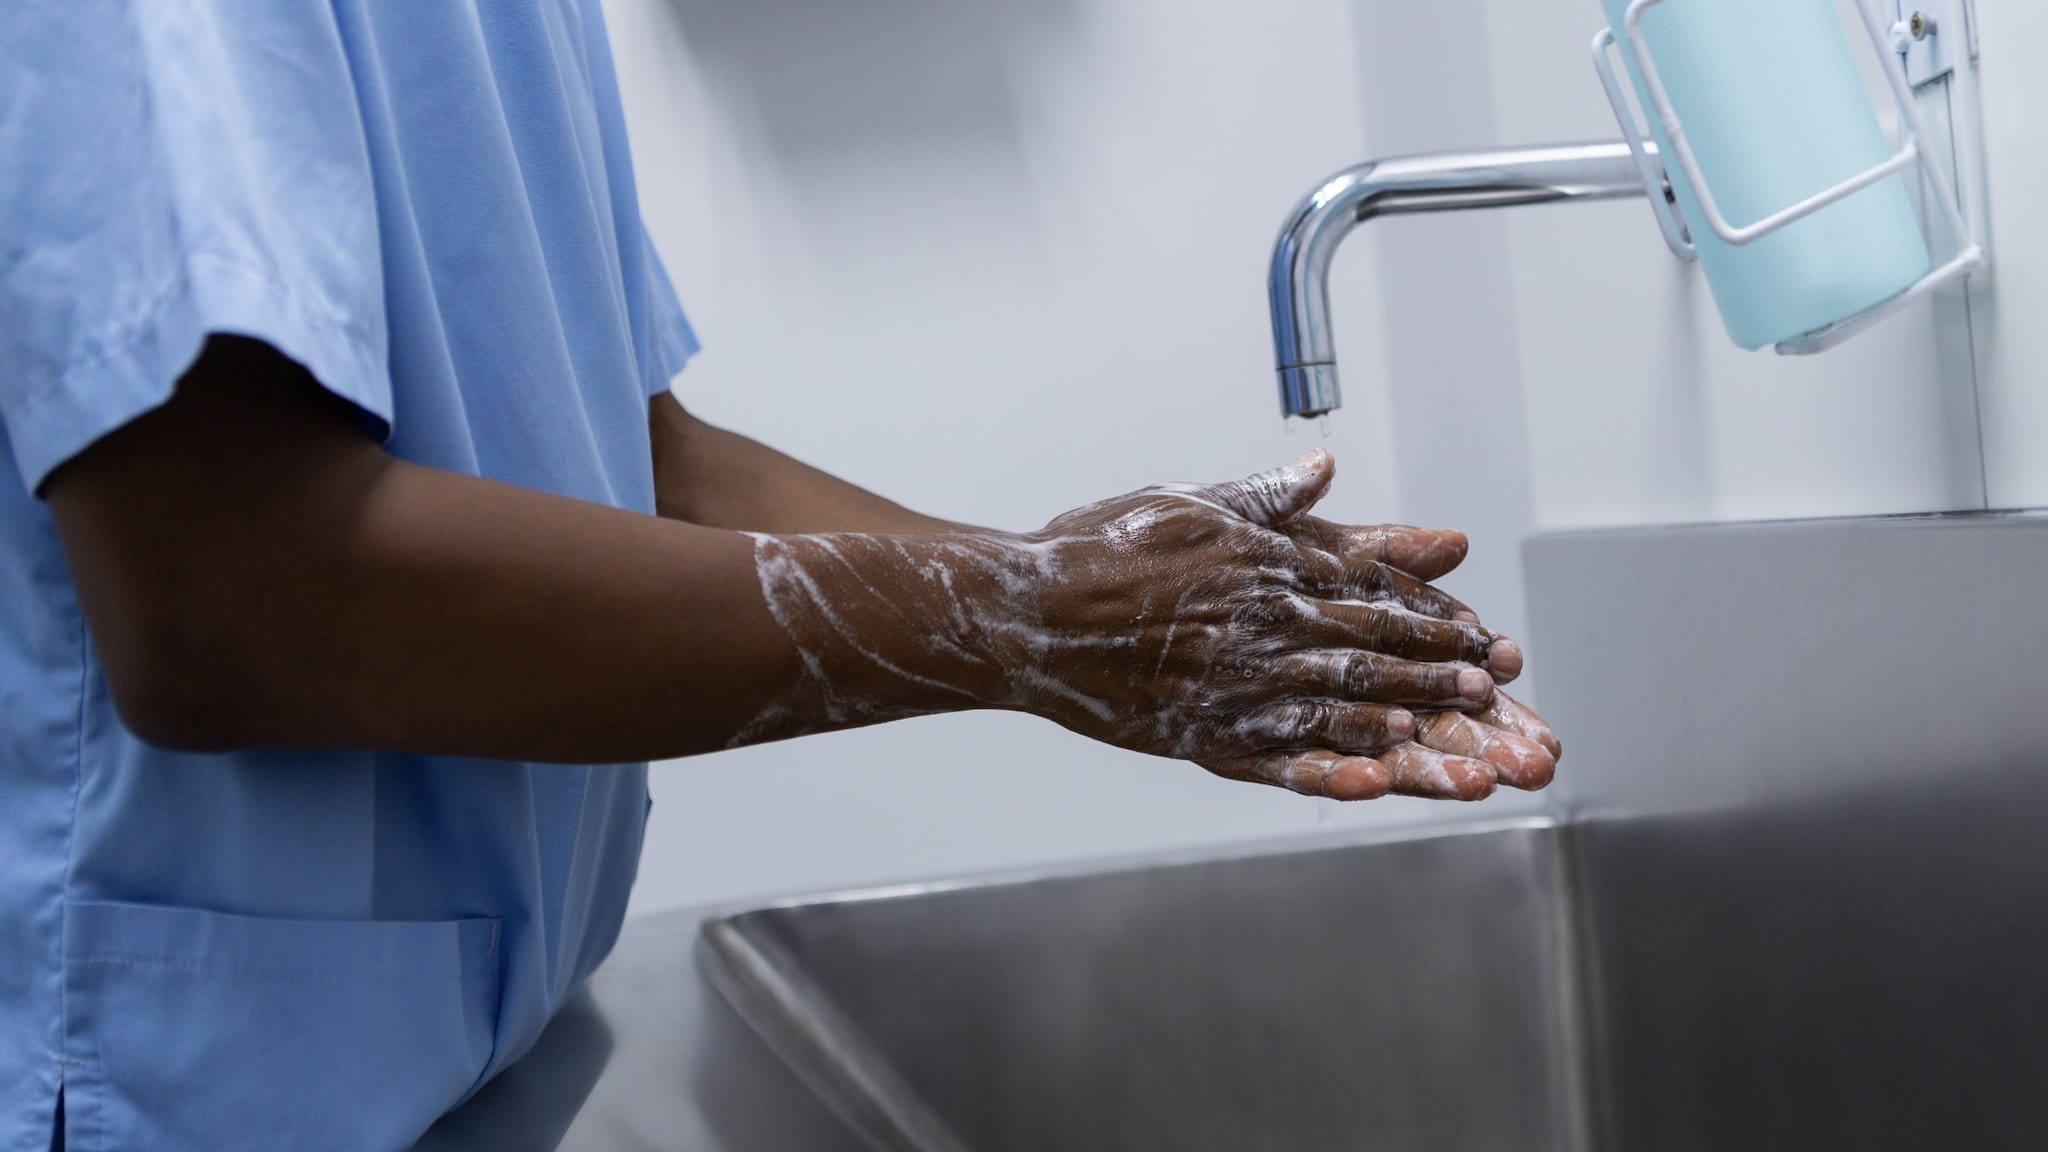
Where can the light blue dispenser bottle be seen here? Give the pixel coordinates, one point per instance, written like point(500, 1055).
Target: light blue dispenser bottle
point(1775, 110)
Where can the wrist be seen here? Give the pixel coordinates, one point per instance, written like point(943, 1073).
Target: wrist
point(893, 626)
point(984, 595)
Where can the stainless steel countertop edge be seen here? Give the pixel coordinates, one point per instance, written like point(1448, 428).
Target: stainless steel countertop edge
point(1169, 858)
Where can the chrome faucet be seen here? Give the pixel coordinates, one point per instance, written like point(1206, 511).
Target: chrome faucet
point(1437, 182)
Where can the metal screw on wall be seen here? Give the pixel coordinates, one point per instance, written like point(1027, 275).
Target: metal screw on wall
point(1918, 26)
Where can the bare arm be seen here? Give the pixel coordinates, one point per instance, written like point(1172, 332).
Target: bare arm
point(706, 475)
point(255, 572)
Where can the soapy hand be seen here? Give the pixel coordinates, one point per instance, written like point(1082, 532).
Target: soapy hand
point(1266, 646)
point(1454, 755)
point(1464, 756)
point(1218, 624)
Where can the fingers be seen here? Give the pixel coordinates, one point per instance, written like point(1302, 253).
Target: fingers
point(1398, 632)
point(1450, 757)
point(1516, 761)
point(1426, 772)
point(1407, 770)
point(1314, 772)
point(1337, 725)
point(1415, 619)
point(1371, 677)
point(1504, 660)
point(1508, 713)
point(1374, 582)
point(1271, 499)
point(1425, 553)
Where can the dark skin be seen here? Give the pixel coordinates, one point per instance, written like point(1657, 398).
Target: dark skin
point(706, 475)
point(258, 573)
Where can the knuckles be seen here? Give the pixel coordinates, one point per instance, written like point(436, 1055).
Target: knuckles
point(1269, 609)
point(1373, 578)
point(1305, 721)
point(1361, 674)
point(1266, 549)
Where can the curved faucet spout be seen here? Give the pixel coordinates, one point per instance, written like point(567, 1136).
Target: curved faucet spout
point(1437, 182)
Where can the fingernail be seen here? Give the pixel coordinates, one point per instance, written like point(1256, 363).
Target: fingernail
point(1516, 760)
point(1400, 724)
point(1474, 684)
point(1306, 466)
point(1465, 615)
point(1504, 656)
point(1470, 779)
point(1358, 778)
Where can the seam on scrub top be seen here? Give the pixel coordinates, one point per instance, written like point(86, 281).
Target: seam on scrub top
point(122, 336)
point(129, 960)
point(111, 341)
point(305, 307)
point(71, 850)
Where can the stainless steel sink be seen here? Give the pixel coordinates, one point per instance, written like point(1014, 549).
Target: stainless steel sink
point(1410, 993)
point(1854, 973)
point(1795, 897)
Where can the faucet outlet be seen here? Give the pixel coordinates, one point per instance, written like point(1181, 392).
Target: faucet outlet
point(1298, 283)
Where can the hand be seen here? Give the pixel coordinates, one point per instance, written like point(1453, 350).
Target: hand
point(1207, 623)
point(1453, 755)
point(1212, 623)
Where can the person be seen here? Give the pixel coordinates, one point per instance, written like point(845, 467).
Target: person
point(357, 557)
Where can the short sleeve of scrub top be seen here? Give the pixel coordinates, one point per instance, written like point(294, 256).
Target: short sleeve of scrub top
point(431, 207)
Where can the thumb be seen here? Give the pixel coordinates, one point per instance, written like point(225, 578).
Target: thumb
point(1271, 499)
point(1424, 553)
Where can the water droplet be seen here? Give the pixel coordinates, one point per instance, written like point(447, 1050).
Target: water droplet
point(1287, 422)
point(1323, 422)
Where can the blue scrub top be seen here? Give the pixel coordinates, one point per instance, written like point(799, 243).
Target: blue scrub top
point(429, 204)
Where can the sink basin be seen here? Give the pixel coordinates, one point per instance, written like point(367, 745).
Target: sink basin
point(1792, 900)
point(1856, 972)
point(1414, 992)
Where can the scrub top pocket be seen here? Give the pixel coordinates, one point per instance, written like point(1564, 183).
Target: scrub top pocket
point(184, 1026)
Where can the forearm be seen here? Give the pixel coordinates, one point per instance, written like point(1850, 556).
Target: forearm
point(719, 479)
point(254, 580)
point(463, 617)
point(254, 572)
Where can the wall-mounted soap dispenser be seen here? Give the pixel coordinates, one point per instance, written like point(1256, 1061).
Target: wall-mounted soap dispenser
point(1781, 181)
point(1762, 107)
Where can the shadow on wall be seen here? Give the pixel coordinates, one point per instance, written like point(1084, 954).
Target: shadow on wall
point(825, 77)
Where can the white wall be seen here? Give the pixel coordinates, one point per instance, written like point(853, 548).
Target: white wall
point(998, 257)
point(1643, 411)
point(2011, 317)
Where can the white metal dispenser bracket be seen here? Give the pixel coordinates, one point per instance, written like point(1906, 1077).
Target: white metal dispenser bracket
point(1929, 38)
point(1933, 36)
